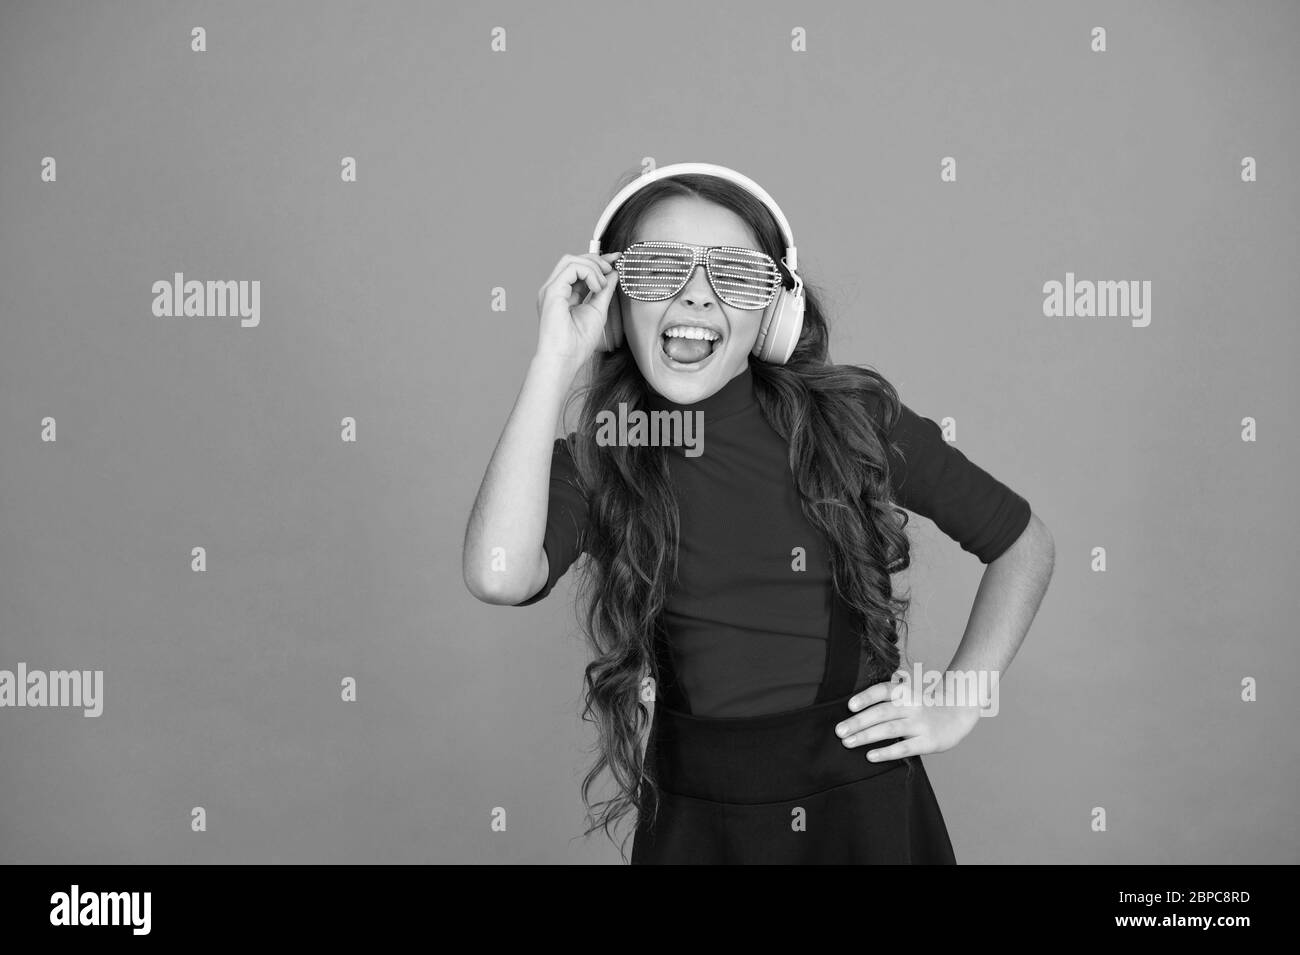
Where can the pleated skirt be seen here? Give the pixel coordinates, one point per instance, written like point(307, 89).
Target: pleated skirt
point(782, 789)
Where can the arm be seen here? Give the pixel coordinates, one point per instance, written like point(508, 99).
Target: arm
point(1008, 598)
point(510, 510)
point(996, 524)
point(505, 558)
point(989, 520)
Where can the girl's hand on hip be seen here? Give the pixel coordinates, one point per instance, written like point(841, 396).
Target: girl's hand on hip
point(897, 709)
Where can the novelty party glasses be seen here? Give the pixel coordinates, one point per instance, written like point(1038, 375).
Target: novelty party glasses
point(652, 271)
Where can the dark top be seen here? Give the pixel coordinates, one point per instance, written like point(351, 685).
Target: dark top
point(748, 633)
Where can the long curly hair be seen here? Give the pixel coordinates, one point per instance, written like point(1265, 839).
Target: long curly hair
point(839, 463)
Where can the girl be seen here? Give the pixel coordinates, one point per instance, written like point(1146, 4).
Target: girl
point(750, 575)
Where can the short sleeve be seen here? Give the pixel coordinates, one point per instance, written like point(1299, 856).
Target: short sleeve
point(566, 519)
point(937, 481)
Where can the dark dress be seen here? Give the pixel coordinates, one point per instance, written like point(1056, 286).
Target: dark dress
point(757, 660)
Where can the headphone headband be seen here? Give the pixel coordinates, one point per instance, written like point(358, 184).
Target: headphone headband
point(708, 169)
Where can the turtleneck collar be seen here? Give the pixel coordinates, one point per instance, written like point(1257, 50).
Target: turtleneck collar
point(735, 395)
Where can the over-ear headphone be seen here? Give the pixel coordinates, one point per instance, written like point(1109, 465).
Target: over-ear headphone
point(782, 319)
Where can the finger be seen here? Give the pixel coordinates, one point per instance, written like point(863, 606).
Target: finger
point(576, 272)
point(901, 728)
point(601, 261)
point(566, 261)
point(876, 693)
point(559, 266)
point(899, 750)
point(591, 274)
point(876, 713)
point(601, 298)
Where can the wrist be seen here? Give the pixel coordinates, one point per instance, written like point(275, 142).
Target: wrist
point(555, 365)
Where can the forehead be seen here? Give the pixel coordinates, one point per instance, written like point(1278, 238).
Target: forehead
point(696, 221)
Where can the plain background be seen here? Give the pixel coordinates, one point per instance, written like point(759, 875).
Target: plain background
point(478, 170)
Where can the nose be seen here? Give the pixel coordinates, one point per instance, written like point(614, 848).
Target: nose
point(697, 289)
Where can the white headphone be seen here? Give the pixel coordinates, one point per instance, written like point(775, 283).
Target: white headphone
point(782, 319)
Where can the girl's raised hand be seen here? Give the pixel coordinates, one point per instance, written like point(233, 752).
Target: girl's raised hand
point(571, 328)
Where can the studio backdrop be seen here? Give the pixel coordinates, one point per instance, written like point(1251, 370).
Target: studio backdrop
point(1066, 232)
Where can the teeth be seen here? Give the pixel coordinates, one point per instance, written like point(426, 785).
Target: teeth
point(690, 331)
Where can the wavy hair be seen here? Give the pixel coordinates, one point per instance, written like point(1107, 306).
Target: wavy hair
point(840, 466)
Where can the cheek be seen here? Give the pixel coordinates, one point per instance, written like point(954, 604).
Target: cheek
point(643, 318)
point(745, 325)
point(644, 321)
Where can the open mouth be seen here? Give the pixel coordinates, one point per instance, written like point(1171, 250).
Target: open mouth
point(689, 344)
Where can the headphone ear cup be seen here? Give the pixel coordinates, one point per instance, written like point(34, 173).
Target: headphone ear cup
point(779, 333)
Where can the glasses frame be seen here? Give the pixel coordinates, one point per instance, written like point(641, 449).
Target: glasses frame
point(702, 255)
